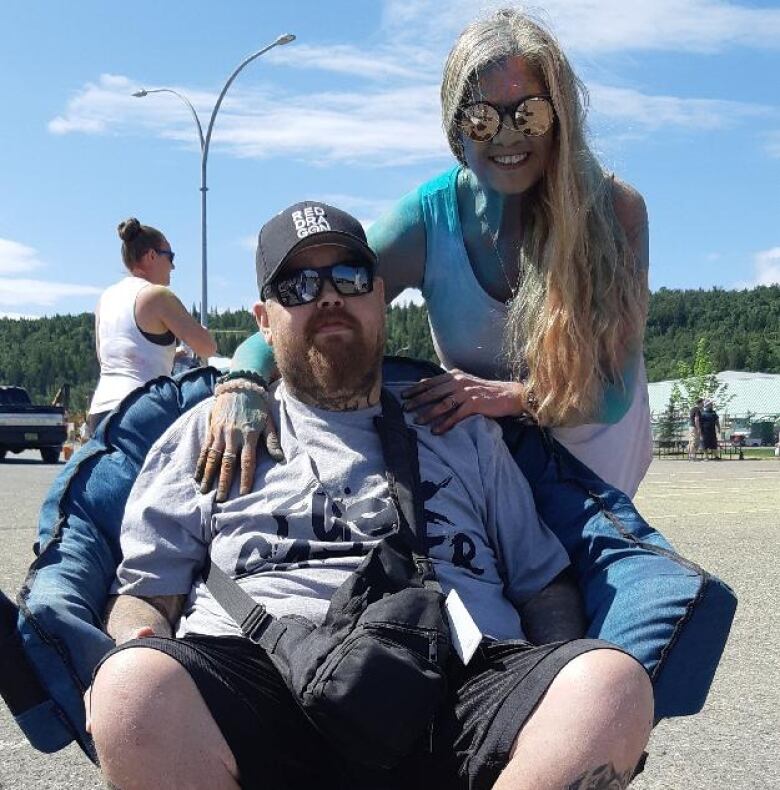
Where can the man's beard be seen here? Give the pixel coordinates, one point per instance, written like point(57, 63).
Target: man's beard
point(333, 372)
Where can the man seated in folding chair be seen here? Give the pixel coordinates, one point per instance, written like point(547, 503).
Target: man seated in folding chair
point(529, 703)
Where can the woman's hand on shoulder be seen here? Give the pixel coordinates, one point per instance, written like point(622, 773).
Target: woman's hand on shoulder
point(443, 401)
point(239, 418)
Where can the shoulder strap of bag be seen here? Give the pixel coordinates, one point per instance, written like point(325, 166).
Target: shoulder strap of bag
point(402, 469)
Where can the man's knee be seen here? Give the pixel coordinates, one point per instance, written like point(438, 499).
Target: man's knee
point(128, 699)
point(612, 686)
point(148, 719)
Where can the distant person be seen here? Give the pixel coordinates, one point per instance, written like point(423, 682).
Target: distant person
point(710, 431)
point(138, 320)
point(694, 429)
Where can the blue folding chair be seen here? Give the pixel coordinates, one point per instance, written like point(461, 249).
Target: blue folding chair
point(639, 593)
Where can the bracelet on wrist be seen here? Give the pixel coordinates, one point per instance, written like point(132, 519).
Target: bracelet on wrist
point(240, 385)
point(531, 401)
point(249, 375)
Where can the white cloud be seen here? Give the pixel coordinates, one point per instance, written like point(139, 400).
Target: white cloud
point(94, 106)
point(772, 146)
point(16, 258)
point(248, 242)
point(598, 26)
point(15, 291)
point(383, 126)
point(667, 112)
point(767, 267)
point(391, 117)
point(379, 127)
point(676, 25)
point(408, 63)
point(108, 106)
point(367, 210)
point(17, 316)
point(766, 270)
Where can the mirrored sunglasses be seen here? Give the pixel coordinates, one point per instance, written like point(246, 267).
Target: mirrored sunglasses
point(305, 285)
point(482, 121)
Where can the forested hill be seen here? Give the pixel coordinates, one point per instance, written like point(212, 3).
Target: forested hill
point(742, 327)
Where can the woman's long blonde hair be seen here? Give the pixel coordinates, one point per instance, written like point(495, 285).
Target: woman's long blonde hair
point(581, 301)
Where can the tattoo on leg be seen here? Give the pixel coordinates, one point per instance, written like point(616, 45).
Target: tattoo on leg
point(605, 777)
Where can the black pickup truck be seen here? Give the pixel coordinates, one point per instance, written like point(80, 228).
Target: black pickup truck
point(24, 426)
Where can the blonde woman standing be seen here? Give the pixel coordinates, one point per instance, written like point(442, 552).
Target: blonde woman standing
point(138, 320)
point(532, 259)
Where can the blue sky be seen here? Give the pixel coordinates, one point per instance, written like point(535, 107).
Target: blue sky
point(685, 105)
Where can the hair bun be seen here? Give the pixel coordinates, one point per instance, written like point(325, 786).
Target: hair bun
point(129, 229)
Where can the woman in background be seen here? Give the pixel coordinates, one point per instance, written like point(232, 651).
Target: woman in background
point(138, 320)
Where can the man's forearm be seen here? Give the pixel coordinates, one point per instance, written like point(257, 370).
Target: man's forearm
point(126, 615)
point(555, 613)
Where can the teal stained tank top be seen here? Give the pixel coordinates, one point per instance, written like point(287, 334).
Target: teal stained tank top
point(467, 326)
point(466, 322)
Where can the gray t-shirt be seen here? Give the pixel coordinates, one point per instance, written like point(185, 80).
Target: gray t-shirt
point(309, 522)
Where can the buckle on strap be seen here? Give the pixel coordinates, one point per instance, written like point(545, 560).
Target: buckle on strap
point(424, 568)
point(256, 622)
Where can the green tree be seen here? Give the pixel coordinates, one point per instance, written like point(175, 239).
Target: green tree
point(698, 380)
point(667, 427)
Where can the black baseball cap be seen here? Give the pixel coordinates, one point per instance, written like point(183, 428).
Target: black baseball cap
point(306, 224)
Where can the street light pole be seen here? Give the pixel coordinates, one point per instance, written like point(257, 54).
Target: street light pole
point(205, 141)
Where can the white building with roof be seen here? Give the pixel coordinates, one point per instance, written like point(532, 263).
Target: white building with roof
point(754, 393)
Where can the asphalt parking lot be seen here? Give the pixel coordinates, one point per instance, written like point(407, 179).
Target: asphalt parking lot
point(723, 515)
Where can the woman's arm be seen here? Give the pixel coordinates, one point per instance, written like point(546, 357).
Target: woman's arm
point(256, 355)
point(156, 303)
point(631, 213)
point(398, 238)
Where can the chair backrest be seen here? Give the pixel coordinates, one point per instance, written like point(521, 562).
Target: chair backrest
point(65, 592)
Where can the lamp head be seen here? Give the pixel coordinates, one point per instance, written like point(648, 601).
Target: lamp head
point(285, 39)
point(140, 94)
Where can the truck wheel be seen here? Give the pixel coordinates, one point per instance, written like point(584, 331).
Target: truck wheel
point(50, 455)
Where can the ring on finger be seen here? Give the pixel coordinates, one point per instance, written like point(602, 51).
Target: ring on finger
point(228, 455)
point(214, 453)
point(453, 404)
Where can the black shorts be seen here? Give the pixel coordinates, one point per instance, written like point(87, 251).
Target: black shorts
point(275, 746)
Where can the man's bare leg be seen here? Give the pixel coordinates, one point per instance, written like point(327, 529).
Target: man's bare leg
point(152, 728)
point(588, 731)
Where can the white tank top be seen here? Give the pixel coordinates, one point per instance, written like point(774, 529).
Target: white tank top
point(127, 359)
